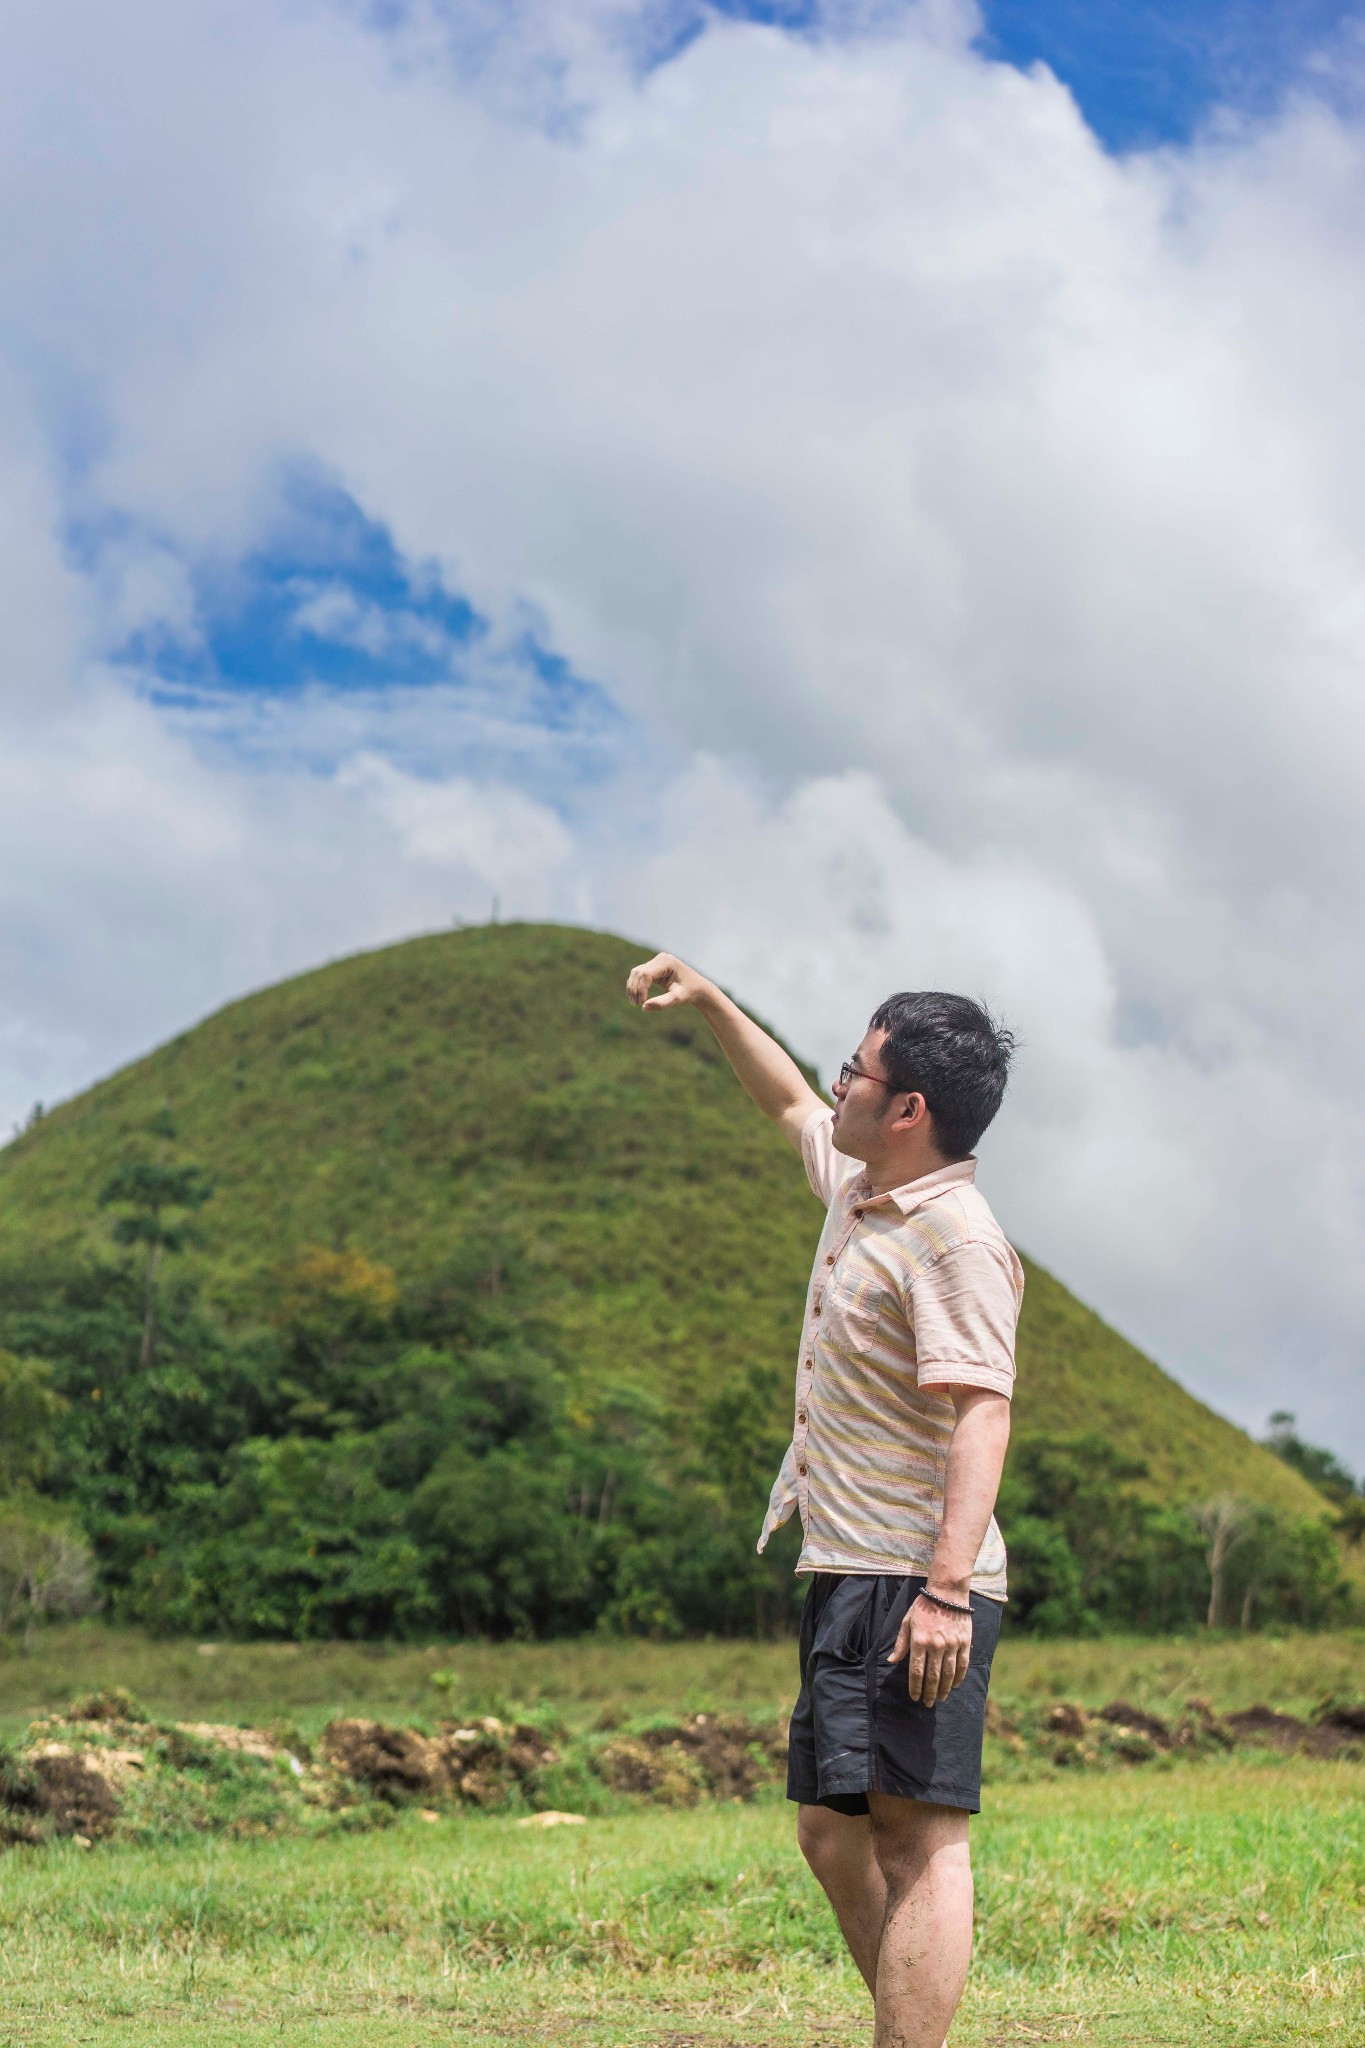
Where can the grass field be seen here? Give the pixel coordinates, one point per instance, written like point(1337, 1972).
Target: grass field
point(1211, 1903)
point(309, 1682)
point(1221, 1904)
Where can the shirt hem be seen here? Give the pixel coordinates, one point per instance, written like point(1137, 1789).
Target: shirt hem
point(863, 1567)
point(937, 1372)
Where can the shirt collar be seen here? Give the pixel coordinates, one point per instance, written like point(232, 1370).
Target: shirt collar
point(916, 1193)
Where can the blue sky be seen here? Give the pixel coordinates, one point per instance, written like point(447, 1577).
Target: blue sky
point(1149, 71)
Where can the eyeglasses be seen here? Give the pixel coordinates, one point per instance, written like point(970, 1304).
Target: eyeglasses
point(851, 1071)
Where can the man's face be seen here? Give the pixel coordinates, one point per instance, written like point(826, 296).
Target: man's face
point(862, 1102)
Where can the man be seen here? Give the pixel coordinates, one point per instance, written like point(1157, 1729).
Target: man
point(903, 1388)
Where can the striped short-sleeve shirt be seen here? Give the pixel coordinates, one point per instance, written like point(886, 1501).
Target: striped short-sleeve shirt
point(912, 1292)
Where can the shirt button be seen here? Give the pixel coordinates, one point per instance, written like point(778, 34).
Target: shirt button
point(829, 1258)
point(802, 1470)
point(802, 1416)
point(816, 1310)
point(857, 1212)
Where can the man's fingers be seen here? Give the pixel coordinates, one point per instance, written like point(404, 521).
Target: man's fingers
point(662, 969)
point(952, 1673)
point(902, 1647)
point(663, 1002)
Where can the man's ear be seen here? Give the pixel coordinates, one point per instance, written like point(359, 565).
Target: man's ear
point(915, 1112)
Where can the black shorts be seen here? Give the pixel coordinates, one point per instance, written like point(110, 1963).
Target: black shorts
point(855, 1728)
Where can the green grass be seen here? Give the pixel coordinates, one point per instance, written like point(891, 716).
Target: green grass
point(1218, 1905)
point(309, 1682)
point(494, 1084)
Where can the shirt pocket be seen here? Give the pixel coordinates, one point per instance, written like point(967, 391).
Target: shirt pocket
point(851, 1311)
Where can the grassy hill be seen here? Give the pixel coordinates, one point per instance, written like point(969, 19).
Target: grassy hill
point(493, 1088)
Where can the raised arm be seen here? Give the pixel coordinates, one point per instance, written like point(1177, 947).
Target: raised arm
point(768, 1075)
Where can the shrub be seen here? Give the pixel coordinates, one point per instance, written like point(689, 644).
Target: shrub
point(46, 1568)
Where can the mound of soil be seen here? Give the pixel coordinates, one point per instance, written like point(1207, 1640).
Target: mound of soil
point(1331, 1736)
point(661, 1771)
point(76, 1797)
point(71, 1775)
point(396, 1762)
point(477, 1765)
point(1200, 1728)
point(725, 1756)
point(1345, 1714)
point(1127, 1719)
point(244, 1741)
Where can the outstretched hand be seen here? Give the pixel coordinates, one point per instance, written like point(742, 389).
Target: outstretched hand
point(678, 982)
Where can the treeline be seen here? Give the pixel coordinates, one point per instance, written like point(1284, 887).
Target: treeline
point(1091, 1551)
point(363, 1461)
point(366, 1463)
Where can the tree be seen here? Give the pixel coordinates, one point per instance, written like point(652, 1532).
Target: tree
point(29, 1414)
point(45, 1567)
point(1321, 1468)
point(1225, 1524)
point(157, 1201)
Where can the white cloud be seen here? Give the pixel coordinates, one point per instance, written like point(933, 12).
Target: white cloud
point(332, 612)
point(970, 519)
point(1139, 1171)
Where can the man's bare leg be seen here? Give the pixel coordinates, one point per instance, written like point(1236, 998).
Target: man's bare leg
point(926, 1943)
point(838, 1848)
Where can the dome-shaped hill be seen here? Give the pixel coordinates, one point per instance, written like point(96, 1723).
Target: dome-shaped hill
point(494, 1085)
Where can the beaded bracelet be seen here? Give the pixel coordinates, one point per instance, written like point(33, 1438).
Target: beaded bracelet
point(950, 1606)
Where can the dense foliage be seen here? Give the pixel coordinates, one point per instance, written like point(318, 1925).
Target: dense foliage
point(1090, 1550)
point(369, 1462)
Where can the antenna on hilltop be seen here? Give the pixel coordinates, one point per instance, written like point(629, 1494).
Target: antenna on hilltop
point(497, 910)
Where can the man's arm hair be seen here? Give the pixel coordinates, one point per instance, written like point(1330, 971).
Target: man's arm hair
point(976, 1459)
point(769, 1076)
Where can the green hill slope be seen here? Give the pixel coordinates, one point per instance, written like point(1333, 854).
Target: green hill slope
point(493, 1086)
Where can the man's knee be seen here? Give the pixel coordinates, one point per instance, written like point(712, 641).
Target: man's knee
point(908, 1834)
point(830, 1841)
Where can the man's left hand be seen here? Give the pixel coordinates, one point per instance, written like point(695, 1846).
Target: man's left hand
point(939, 1646)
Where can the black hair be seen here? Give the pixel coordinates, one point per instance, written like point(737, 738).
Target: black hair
point(951, 1051)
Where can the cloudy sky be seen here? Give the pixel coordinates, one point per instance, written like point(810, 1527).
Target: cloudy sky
point(867, 495)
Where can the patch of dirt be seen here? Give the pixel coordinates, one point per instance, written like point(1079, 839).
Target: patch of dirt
point(244, 1741)
point(724, 1755)
point(478, 1764)
point(75, 1797)
point(1065, 1719)
point(1262, 1726)
point(394, 1762)
point(114, 1703)
point(115, 1766)
point(1345, 1714)
point(1200, 1728)
point(1130, 1720)
point(661, 1771)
